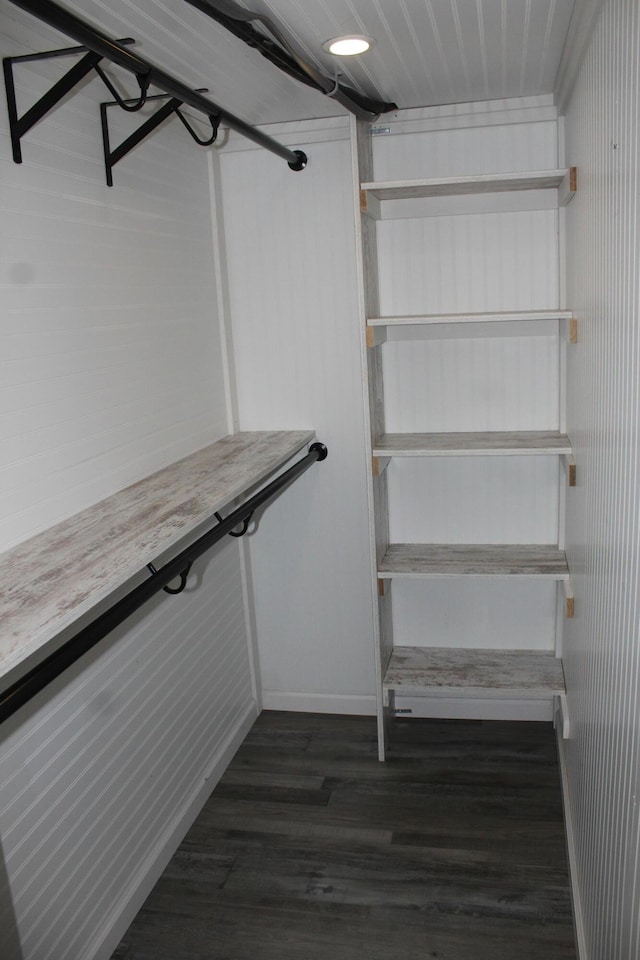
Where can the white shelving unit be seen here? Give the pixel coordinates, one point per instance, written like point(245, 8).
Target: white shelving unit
point(440, 671)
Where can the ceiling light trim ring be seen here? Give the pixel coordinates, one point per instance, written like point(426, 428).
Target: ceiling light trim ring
point(350, 45)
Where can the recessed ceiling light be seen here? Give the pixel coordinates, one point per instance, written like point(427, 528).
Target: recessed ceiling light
point(348, 46)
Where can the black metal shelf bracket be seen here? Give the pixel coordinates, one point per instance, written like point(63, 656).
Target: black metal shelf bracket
point(24, 689)
point(98, 46)
point(172, 106)
point(19, 126)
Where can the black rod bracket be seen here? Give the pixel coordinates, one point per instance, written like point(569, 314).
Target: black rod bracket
point(172, 106)
point(183, 577)
point(105, 47)
point(19, 126)
point(243, 529)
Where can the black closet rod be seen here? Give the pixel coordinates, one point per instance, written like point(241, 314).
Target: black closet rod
point(44, 673)
point(90, 37)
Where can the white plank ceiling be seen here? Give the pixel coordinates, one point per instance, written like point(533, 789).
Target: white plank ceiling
point(430, 52)
point(427, 52)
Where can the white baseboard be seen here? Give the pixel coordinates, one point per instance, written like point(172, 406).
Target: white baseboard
point(581, 943)
point(355, 705)
point(431, 707)
point(151, 868)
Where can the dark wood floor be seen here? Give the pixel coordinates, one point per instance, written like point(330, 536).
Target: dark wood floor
point(310, 849)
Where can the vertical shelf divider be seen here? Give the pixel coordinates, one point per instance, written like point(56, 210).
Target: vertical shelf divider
point(366, 255)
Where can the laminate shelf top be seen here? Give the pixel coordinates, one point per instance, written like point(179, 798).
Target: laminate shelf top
point(492, 674)
point(490, 317)
point(493, 443)
point(58, 576)
point(420, 560)
point(461, 186)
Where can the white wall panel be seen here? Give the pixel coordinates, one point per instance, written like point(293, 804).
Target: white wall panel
point(97, 772)
point(292, 294)
point(501, 261)
point(473, 500)
point(471, 384)
point(466, 151)
point(110, 367)
point(111, 364)
point(474, 613)
point(602, 646)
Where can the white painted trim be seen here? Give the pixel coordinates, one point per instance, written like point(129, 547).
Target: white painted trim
point(415, 120)
point(561, 717)
point(351, 704)
point(474, 107)
point(472, 114)
point(293, 133)
point(222, 294)
point(251, 626)
point(570, 836)
point(151, 868)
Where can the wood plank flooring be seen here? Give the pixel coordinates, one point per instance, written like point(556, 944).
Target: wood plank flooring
point(310, 849)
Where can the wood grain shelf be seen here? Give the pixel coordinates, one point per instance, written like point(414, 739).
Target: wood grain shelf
point(481, 674)
point(445, 318)
point(430, 560)
point(60, 575)
point(494, 443)
point(375, 192)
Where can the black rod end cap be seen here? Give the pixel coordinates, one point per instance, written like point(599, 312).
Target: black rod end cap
point(300, 163)
point(321, 450)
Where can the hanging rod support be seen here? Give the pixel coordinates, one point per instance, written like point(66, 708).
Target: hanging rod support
point(243, 529)
point(21, 125)
point(44, 673)
point(183, 578)
point(111, 157)
point(104, 46)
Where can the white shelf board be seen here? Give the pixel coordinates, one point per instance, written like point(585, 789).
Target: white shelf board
point(494, 443)
point(459, 186)
point(60, 575)
point(446, 318)
point(429, 560)
point(472, 673)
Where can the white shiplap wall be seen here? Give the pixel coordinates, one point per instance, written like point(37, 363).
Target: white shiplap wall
point(448, 264)
point(602, 644)
point(292, 296)
point(496, 137)
point(103, 772)
point(111, 366)
point(486, 383)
